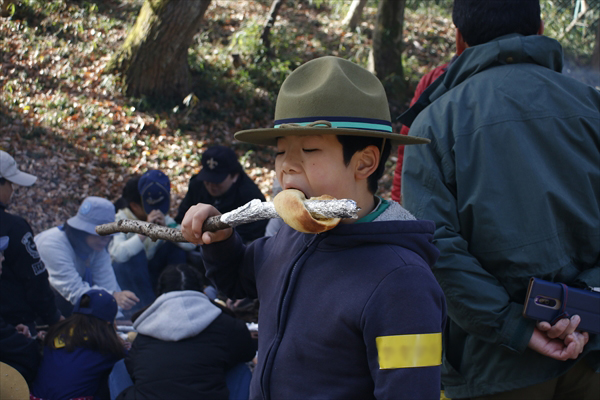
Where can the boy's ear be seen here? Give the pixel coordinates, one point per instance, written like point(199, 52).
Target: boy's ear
point(367, 162)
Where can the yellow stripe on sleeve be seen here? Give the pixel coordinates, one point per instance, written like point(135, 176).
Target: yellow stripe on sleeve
point(409, 351)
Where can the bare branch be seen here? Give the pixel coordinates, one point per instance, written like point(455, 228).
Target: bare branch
point(153, 231)
point(156, 232)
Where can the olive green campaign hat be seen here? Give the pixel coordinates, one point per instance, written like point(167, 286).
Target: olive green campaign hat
point(330, 96)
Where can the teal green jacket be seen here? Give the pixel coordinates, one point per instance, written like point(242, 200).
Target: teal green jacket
point(512, 180)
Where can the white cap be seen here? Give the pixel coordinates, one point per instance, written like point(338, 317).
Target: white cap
point(92, 212)
point(10, 172)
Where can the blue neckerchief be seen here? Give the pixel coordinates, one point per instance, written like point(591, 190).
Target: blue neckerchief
point(80, 247)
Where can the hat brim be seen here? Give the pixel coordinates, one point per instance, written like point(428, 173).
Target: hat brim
point(213, 177)
point(79, 224)
point(22, 178)
point(269, 136)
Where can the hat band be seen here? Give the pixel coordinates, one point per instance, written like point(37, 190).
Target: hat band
point(337, 122)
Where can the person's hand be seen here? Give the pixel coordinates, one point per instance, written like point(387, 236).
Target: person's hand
point(23, 330)
point(561, 329)
point(569, 348)
point(156, 217)
point(41, 335)
point(125, 299)
point(191, 226)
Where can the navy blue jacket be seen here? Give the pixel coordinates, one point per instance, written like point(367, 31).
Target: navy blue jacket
point(327, 300)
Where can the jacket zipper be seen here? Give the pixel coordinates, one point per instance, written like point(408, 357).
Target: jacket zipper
point(282, 319)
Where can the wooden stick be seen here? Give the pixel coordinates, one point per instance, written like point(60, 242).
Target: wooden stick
point(154, 231)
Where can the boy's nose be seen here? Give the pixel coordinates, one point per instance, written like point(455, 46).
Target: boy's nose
point(289, 164)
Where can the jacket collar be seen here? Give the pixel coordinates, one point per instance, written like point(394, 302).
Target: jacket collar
point(508, 49)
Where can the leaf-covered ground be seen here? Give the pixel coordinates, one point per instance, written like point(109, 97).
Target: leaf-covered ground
point(64, 119)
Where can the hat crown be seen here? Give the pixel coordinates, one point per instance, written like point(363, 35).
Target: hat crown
point(217, 163)
point(96, 210)
point(331, 87)
point(219, 159)
point(102, 305)
point(8, 165)
point(330, 96)
point(155, 191)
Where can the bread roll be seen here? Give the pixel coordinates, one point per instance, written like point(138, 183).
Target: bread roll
point(289, 204)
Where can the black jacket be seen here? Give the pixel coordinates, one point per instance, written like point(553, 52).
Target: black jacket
point(163, 366)
point(18, 351)
point(241, 192)
point(25, 292)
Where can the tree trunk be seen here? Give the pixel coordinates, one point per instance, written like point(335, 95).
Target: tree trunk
point(596, 54)
point(153, 59)
point(388, 47)
point(265, 37)
point(354, 14)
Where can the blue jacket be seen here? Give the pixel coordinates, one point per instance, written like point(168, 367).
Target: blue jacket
point(333, 305)
point(65, 375)
point(512, 180)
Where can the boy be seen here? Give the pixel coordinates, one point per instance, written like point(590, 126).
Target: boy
point(25, 293)
point(223, 183)
point(137, 259)
point(353, 313)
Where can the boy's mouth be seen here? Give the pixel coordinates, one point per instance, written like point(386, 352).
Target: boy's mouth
point(286, 187)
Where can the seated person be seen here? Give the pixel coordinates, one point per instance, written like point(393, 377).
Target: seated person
point(223, 184)
point(25, 294)
point(138, 260)
point(17, 349)
point(186, 347)
point(77, 259)
point(80, 351)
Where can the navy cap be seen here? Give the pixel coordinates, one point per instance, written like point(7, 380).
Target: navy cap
point(155, 191)
point(3, 243)
point(102, 305)
point(217, 163)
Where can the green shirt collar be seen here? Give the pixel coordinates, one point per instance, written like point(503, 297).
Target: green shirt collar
point(382, 205)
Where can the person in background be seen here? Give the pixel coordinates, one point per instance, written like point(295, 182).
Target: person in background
point(186, 345)
point(512, 180)
point(25, 294)
point(223, 184)
point(81, 351)
point(138, 260)
point(424, 83)
point(77, 259)
point(17, 348)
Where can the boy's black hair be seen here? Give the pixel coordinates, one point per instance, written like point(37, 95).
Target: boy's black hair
point(352, 144)
point(80, 330)
point(480, 21)
point(131, 194)
point(179, 277)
